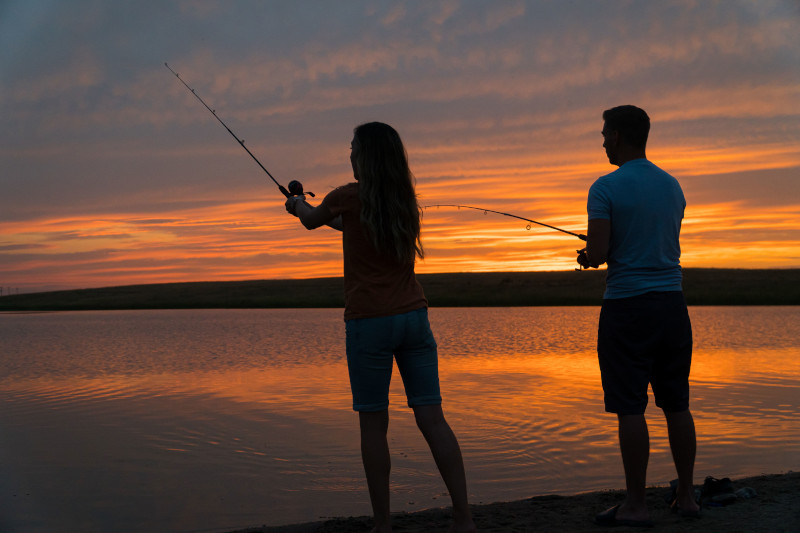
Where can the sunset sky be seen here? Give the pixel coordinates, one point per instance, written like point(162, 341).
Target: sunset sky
point(112, 173)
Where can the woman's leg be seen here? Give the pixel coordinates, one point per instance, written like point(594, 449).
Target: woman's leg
point(447, 454)
point(369, 362)
point(377, 464)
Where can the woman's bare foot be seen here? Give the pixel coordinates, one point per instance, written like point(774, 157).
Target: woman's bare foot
point(466, 527)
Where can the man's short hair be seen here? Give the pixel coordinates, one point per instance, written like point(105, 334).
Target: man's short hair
point(631, 122)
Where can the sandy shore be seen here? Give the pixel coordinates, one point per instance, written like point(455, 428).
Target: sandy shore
point(776, 508)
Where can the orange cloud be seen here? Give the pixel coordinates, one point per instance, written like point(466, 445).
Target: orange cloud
point(255, 239)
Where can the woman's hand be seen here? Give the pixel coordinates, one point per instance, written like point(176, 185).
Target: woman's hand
point(291, 204)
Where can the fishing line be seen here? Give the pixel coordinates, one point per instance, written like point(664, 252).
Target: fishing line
point(581, 237)
point(295, 187)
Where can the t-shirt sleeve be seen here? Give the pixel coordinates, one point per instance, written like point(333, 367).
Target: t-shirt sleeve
point(598, 204)
point(335, 201)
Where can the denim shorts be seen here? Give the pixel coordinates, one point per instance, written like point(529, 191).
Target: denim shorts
point(374, 343)
point(645, 339)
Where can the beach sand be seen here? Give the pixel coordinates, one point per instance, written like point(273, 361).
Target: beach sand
point(776, 508)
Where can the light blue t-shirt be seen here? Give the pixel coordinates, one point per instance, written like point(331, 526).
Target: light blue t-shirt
point(645, 206)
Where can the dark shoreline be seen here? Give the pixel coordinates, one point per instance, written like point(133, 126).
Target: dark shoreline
point(776, 508)
point(702, 286)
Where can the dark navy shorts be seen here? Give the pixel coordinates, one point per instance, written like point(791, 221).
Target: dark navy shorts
point(374, 343)
point(645, 339)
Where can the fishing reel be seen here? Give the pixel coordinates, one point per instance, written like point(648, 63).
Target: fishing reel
point(580, 252)
point(296, 189)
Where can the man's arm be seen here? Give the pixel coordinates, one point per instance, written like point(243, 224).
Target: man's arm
point(598, 238)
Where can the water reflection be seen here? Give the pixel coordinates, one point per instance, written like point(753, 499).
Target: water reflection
point(221, 419)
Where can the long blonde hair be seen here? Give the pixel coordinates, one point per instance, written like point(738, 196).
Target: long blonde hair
point(390, 212)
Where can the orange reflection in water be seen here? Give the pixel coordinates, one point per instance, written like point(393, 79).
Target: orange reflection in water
point(521, 390)
point(546, 408)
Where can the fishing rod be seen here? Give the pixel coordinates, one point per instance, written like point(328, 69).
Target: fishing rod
point(581, 237)
point(295, 187)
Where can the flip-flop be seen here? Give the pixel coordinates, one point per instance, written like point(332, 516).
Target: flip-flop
point(609, 518)
point(718, 491)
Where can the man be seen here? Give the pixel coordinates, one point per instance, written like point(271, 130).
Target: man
point(644, 336)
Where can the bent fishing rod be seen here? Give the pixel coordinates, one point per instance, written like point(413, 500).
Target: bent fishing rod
point(581, 237)
point(295, 187)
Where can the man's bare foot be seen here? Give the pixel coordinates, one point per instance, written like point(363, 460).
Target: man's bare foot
point(619, 515)
point(686, 506)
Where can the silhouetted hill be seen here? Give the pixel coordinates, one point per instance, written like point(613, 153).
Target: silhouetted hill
point(496, 289)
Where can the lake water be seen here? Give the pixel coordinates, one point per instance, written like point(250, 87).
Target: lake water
point(212, 420)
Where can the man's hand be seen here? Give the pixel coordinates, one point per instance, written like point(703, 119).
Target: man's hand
point(583, 260)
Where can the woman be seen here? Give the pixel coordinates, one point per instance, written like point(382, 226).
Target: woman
point(386, 313)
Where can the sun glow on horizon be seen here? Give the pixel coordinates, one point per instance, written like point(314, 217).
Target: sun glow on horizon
point(256, 239)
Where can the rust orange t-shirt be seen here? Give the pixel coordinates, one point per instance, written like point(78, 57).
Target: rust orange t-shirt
point(375, 284)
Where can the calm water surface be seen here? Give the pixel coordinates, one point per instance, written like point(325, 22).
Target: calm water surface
point(214, 420)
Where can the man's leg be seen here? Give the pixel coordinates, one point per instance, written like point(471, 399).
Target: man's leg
point(683, 443)
point(377, 464)
point(634, 444)
point(447, 454)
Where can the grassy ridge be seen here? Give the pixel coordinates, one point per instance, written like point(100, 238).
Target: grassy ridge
point(500, 289)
